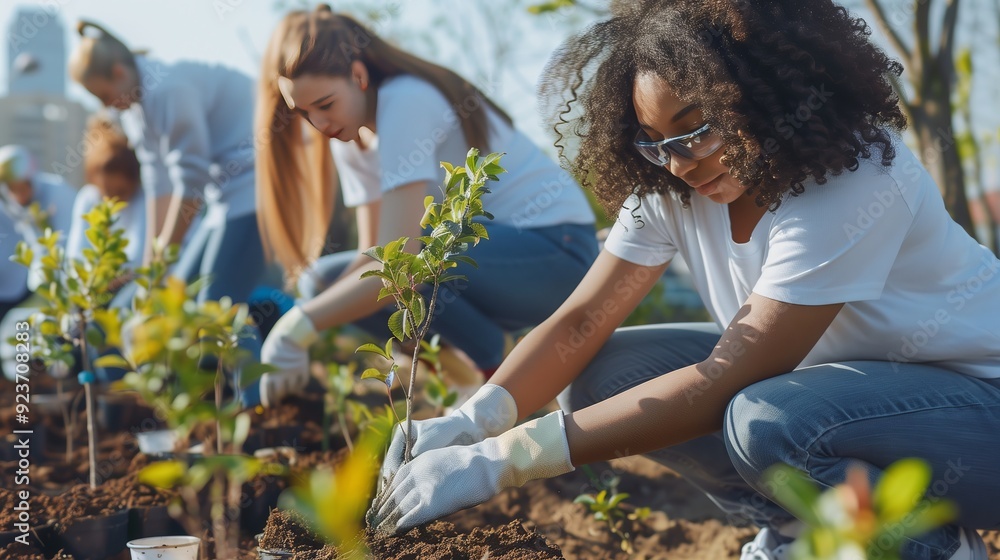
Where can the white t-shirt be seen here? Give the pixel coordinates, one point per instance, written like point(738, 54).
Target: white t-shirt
point(418, 128)
point(193, 133)
point(917, 288)
point(55, 196)
point(132, 219)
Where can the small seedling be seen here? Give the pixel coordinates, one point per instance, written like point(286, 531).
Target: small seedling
point(609, 506)
point(436, 390)
point(339, 386)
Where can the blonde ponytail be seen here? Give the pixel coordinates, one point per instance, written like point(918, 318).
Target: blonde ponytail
point(97, 53)
point(295, 173)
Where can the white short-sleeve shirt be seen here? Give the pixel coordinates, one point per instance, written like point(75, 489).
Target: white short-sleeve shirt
point(417, 128)
point(917, 287)
point(55, 197)
point(132, 219)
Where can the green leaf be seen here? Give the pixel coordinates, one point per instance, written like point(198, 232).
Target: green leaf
point(464, 259)
point(241, 430)
point(929, 515)
point(376, 253)
point(374, 349)
point(480, 230)
point(373, 373)
point(795, 492)
point(617, 499)
point(450, 399)
point(112, 361)
point(900, 488)
point(584, 499)
point(164, 474)
point(396, 325)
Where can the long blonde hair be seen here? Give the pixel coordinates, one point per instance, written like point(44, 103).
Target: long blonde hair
point(295, 171)
point(97, 53)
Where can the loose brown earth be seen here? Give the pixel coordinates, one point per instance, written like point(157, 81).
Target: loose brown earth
point(536, 521)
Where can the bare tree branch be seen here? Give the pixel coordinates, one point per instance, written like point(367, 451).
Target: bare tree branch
point(924, 74)
point(904, 102)
point(947, 46)
point(894, 37)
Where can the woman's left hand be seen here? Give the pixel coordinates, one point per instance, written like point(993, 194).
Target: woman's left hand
point(443, 481)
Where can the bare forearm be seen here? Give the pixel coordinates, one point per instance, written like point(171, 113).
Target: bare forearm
point(177, 219)
point(665, 411)
point(548, 360)
point(350, 298)
point(766, 338)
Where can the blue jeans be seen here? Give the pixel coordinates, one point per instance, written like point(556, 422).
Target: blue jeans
point(523, 276)
point(820, 419)
point(231, 252)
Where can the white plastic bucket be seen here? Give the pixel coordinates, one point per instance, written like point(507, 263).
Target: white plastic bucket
point(156, 442)
point(165, 548)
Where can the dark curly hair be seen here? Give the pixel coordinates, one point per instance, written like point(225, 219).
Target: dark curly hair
point(749, 65)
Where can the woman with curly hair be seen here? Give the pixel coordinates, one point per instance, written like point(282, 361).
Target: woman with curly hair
point(855, 322)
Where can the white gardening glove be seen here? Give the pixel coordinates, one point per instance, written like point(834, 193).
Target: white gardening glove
point(287, 348)
point(488, 413)
point(443, 481)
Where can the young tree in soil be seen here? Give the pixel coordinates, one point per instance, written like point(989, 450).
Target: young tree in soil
point(455, 225)
point(76, 292)
point(166, 345)
point(335, 502)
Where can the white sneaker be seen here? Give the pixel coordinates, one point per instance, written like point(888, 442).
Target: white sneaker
point(971, 546)
point(769, 545)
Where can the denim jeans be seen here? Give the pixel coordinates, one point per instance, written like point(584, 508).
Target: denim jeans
point(522, 277)
point(231, 252)
point(820, 419)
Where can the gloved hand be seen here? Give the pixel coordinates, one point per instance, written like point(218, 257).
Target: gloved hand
point(287, 348)
point(443, 481)
point(490, 412)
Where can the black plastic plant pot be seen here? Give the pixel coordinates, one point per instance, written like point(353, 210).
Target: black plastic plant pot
point(281, 436)
point(253, 515)
point(96, 538)
point(152, 521)
point(115, 411)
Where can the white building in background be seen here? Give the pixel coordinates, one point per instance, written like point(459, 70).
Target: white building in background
point(51, 126)
point(36, 52)
point(36, 112)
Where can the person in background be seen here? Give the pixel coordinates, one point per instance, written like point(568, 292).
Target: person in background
point(191, 126)
point(856, 324)
point(30, 202)
point(384, 119)
point(112, 171)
